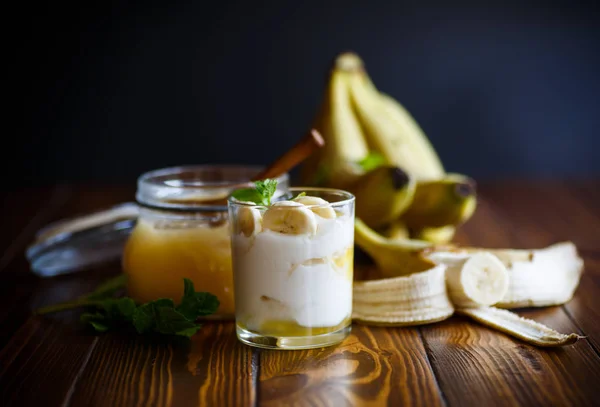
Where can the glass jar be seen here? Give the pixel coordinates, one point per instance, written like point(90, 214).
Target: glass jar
point(182, 231)
point(293, 269)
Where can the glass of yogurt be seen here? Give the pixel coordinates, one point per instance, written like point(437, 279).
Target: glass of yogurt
point(293, 269)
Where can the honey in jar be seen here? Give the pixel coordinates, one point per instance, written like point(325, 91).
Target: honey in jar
point(183, 232)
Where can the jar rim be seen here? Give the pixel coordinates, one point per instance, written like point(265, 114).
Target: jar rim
point(192, 188)
point(347, 197)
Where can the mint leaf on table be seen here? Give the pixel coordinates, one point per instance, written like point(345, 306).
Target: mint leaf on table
point(261, 194)
point(160, 316)
point(195, 304)
point(172, 322)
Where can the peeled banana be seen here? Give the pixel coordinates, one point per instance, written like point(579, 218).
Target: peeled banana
point(473, 279)
point(541, 277)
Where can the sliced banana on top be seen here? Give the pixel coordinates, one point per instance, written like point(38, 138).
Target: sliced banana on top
point(249, 221)
point(290, 218)
point(326, 212)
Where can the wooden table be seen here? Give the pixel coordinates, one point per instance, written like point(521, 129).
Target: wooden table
point(54, 362)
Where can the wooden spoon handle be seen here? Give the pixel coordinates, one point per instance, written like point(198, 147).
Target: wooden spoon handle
point(304, 148)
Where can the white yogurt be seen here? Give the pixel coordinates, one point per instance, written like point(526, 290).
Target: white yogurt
point(280, 277)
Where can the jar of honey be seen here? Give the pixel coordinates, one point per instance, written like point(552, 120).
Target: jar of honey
point(182, 231)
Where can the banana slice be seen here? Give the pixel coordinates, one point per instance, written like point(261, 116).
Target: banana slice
point(326, 212)
point(290, 218)
point(249, 221)
point(473, 280)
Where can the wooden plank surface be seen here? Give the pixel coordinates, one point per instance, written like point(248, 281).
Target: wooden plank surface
point(373, 366)
point(457, 362)
point(44, 358)
point(214, 369)
point(475, 363)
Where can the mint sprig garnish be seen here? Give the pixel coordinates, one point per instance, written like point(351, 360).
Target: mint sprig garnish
point(261, 194)
point(159, 317)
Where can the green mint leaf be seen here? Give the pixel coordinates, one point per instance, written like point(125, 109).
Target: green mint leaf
point(195, 304)
point(371, 161)
point(169, 321)
point(248, 195)
point(119, 309)
point(266, 189)
point(160, 316)
point(143, 318)
point(109, 288)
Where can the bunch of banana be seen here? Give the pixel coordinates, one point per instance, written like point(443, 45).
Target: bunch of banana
point(375, 149)
point(408, 209)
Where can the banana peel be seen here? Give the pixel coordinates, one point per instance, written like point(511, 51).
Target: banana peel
point(409, 293)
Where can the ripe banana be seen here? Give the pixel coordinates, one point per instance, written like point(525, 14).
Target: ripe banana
point(396, 230)
point(335, 164)
point(419, 157)
point(382, 195)
point(393, 257)
point(448, 201)
point(441, 235)
point(389, 129)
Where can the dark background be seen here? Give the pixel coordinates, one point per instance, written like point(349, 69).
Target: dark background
point(108, 91)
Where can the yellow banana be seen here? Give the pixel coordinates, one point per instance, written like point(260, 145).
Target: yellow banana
point(335, 164)
point(439, 235)
point(448, 201)
point(416, 152)
point(392, 257)
point(382, 195)
point(390, 130)
point(396, 230)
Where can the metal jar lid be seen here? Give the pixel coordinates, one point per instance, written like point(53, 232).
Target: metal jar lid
point(74, 244)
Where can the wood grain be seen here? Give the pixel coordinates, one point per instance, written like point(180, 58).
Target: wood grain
point(48, 353)
point(54, 361)
point(214, 369)
point(372, 367)
point(474, 363)
point(576, 222)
